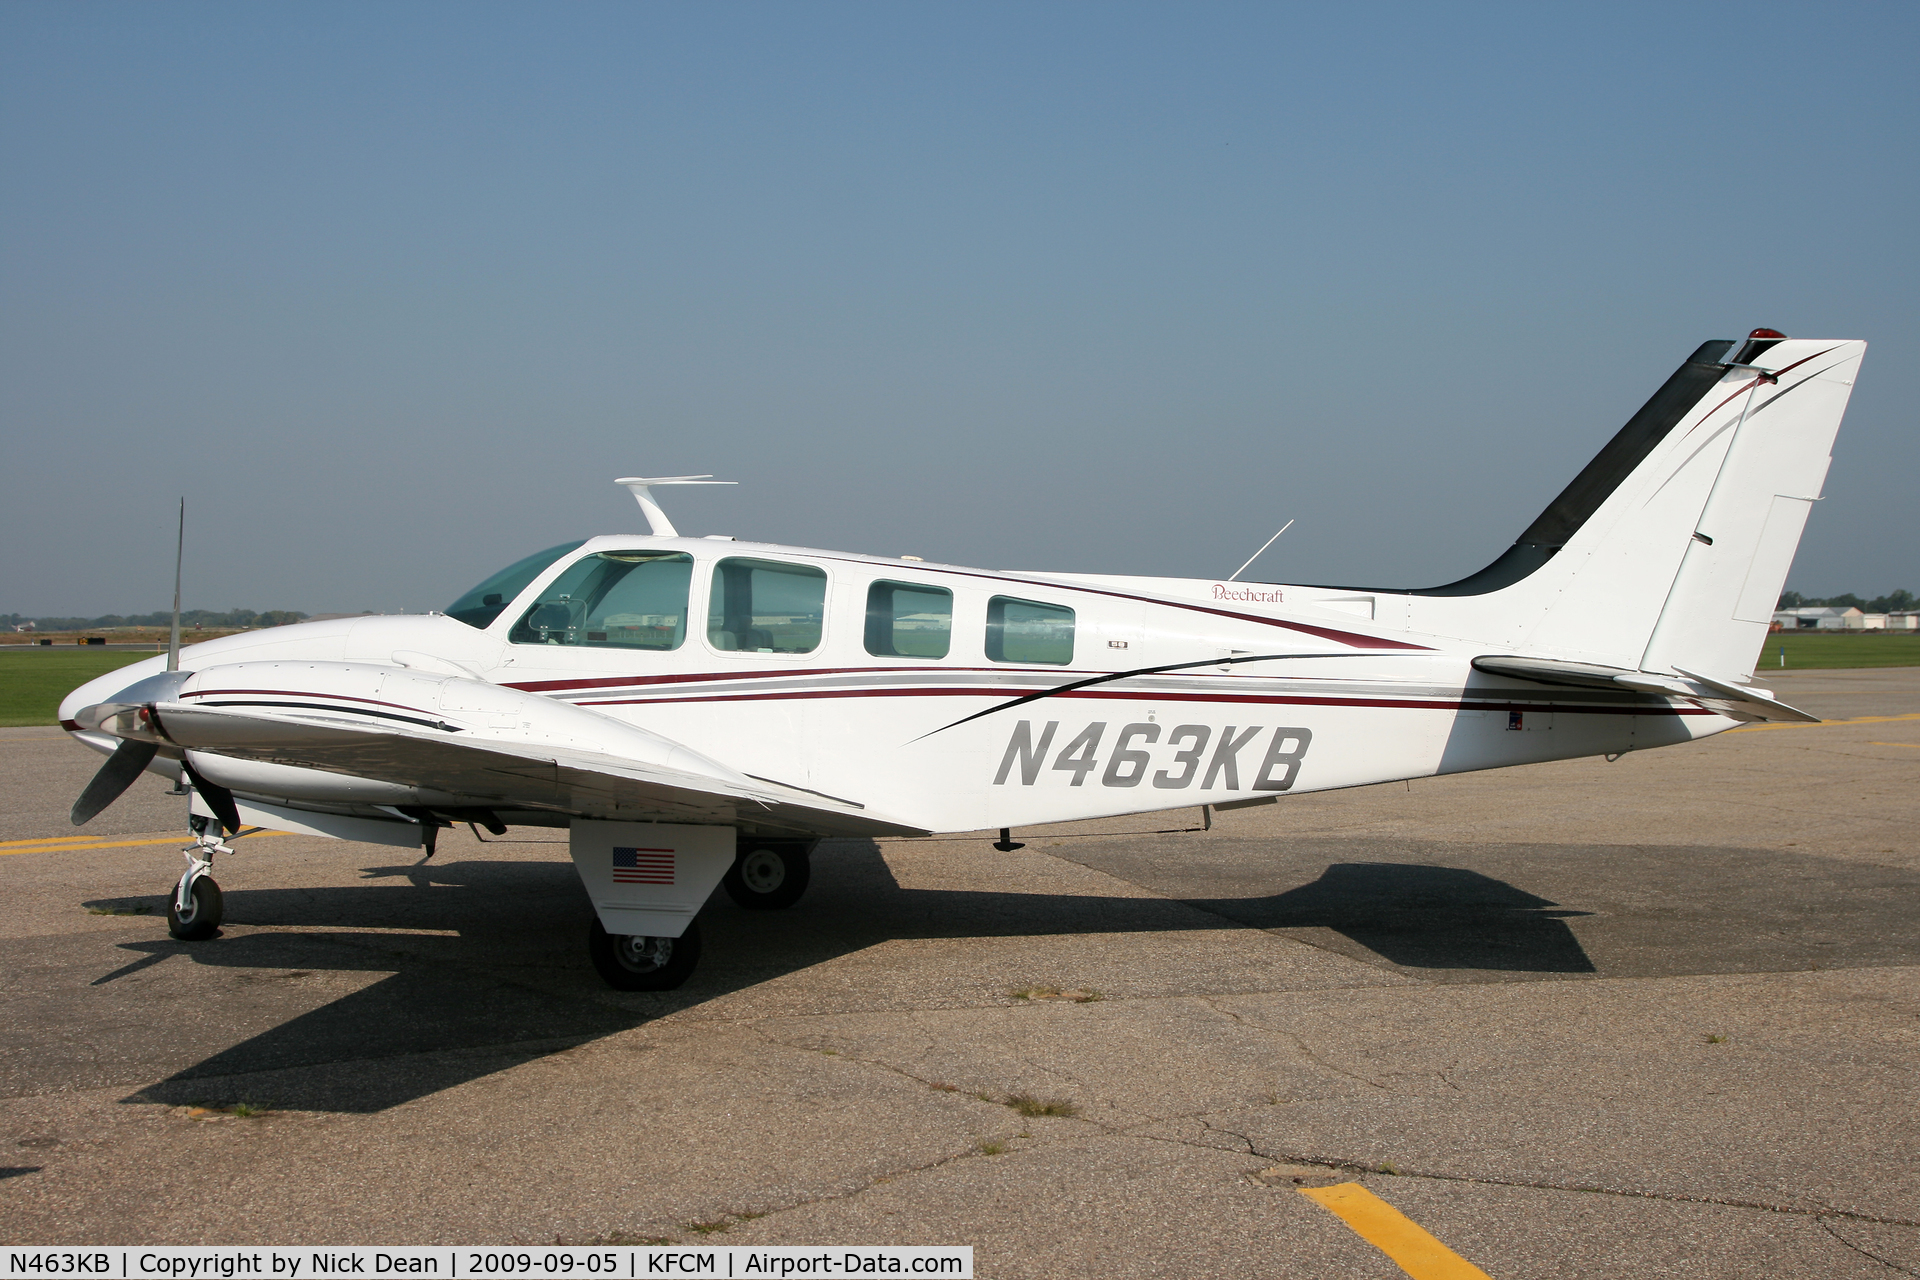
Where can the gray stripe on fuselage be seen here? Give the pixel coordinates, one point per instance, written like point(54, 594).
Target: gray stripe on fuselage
point(1012, 683)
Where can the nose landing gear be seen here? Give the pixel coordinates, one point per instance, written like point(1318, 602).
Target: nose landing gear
point(200, 918)
point(197, 907)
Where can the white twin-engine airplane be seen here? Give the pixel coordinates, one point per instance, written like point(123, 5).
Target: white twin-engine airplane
point(701, 710)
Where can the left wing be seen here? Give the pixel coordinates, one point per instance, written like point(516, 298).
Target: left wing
point(466, 743)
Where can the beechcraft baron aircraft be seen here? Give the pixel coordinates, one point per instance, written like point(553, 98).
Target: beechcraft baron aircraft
point(697, 710)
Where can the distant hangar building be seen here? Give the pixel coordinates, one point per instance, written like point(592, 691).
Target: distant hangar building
point(1835, 617)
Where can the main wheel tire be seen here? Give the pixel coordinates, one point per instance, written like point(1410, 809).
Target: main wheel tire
point(768, 877)
point(632, 963)
point(201, 919)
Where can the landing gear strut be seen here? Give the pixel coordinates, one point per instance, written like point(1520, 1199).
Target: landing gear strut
point(196, 909)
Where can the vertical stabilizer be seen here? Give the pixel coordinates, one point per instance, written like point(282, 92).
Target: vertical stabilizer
point(1716, 616)
point(1668, 551)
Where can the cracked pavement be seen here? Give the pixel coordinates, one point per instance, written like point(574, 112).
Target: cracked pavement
point(1649, 1018)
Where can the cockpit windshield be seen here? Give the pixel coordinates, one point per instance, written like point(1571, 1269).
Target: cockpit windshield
point(480, 606)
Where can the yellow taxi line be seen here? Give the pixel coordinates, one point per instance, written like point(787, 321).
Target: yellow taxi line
point(1393, 1233)
point(1915, 745)
point(48, 846)
point(1827, 724)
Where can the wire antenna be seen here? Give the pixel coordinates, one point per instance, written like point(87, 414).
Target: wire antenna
point(1263, 546)
point(179, 555)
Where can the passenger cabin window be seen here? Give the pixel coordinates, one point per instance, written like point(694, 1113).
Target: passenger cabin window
point(1027, 631)
point(613, 600)
point(480, 606)
point(908, 620)
point(766, 606)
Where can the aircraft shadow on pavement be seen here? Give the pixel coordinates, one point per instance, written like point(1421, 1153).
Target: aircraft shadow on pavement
point(504, 979)
point(1423, 917)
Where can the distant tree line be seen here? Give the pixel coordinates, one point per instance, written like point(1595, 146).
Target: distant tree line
point(1893, 602)
point(188, 618)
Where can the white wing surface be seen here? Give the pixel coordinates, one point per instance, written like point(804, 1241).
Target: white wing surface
point(256, 728)
point(478, 772)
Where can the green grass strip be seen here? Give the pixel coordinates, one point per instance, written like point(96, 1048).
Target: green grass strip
point(1807, 650)
point(33, 679)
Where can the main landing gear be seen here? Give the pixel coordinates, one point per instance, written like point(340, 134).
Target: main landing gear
point(632, 963)
point(196, 909)
point(769, 875)
point(766, 875)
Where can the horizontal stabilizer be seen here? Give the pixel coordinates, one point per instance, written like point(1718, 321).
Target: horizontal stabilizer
point(1734, 701)
point(1757, 704)
point(1582, 675)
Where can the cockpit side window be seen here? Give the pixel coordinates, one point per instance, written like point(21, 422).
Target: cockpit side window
point(480, 606)
point(766, 606)
point(613, 600)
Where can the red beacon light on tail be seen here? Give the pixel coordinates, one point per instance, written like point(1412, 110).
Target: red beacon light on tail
point(1758, 343)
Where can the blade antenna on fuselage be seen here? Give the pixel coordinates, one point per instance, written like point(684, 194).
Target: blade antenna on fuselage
point(641, 489)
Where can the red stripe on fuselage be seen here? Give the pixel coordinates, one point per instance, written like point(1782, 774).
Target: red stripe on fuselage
point(547, 686)
point(1289, 699)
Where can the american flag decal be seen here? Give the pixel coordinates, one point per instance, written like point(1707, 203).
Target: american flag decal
point(643, 866)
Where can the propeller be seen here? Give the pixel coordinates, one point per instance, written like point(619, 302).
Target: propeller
point(218, 798)
point(128, 716)
point(128, 761)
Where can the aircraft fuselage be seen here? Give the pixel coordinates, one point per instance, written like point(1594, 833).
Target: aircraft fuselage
point(1095, 699)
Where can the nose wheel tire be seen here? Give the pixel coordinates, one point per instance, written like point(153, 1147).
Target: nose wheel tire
point(634, 963)
point(767, 877)
point(201, 919)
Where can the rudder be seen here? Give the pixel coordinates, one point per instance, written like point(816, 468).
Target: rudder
point(1716, 615)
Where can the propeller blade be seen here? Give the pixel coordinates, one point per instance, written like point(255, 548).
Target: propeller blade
point(218, 798)
point(128, 761)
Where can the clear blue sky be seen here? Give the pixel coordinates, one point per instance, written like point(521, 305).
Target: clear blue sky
point(393, 291)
